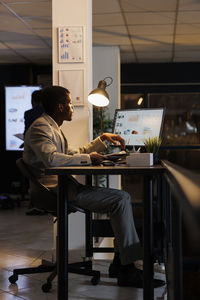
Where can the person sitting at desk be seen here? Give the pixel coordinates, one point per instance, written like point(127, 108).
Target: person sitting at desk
point(29, 117)
point(45, 146)
point(35, 112)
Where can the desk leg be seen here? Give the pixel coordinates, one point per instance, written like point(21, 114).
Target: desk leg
point(177, 250)
point(88, 226)
point(62, 239)
point(148, 256)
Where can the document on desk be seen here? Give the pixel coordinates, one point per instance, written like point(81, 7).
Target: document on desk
point(116, 156)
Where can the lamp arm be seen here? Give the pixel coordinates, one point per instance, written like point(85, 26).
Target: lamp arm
point(111, 80)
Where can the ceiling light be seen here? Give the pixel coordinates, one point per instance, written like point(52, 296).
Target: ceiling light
point(140, 100)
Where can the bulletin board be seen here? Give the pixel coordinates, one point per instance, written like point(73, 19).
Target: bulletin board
point(73, 80)
point(70, 44)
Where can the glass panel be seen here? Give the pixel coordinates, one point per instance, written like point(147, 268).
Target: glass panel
point(132, 101)
point(132, 183)
point(182, 118)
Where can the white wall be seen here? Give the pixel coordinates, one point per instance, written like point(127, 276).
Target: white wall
point(75, 13)
point(106, 62)
point(78, 132)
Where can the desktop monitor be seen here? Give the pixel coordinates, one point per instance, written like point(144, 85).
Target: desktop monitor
point(135, 125)
point(17, 101)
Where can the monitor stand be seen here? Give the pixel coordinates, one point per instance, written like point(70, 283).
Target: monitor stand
point(135, 148)
point(130, 148)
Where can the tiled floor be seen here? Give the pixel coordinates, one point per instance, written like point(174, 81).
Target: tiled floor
point(24, 240)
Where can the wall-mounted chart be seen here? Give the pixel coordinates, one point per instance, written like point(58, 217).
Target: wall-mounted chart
point(73, 80)
point(70, 44)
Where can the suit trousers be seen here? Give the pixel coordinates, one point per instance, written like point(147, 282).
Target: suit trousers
point(117, 204)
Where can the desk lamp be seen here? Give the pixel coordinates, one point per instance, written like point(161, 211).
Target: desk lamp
point(100, 98)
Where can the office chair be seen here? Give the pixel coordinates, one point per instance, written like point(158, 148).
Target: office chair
point(83, 268)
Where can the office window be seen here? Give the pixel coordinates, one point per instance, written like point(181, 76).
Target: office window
point(182, 118)
point(129, 101)
point(131, 183)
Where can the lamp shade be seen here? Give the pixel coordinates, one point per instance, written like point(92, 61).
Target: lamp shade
point(99, 97)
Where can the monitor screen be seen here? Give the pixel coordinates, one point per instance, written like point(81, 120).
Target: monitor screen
point(17, 101)
point(135, 125)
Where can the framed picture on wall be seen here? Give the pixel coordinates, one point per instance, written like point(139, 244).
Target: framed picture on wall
point(73, 80)
point(70, 44)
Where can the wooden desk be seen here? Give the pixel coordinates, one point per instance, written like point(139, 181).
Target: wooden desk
point(62, 256)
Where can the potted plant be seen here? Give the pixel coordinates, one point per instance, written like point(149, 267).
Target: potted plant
point(152, 145)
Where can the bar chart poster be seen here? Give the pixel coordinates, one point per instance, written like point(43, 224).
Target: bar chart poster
point(73, 80)
point(70, 44)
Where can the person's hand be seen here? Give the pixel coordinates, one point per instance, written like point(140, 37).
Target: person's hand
point(96, 158)
point(113, 138)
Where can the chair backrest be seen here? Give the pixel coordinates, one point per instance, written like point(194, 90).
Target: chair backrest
point(41, 197)
point(40, 194)
point(25, 170)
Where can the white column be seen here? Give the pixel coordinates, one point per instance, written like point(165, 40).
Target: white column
point(106, 62)
point(79, 131)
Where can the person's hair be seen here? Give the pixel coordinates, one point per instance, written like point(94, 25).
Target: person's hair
point(51, 96)
point(35, 98)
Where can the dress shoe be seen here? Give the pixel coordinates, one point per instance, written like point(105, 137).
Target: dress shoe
point(114, 267)
point(35, 212)
point(113, 270)
point(133, 277)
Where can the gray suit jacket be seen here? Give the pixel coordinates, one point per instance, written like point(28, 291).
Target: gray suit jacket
point(45, 146)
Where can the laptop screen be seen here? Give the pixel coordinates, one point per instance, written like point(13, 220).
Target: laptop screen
point(136, 125)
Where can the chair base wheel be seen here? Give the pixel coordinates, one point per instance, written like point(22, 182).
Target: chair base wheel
point(95, 280)
point(13, 278)
point(46, 287)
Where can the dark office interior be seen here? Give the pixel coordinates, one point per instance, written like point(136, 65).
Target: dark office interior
point(174, 86)
point(171, 85)
point(159, 48)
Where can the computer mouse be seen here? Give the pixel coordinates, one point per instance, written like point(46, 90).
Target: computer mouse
point(107, 163)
